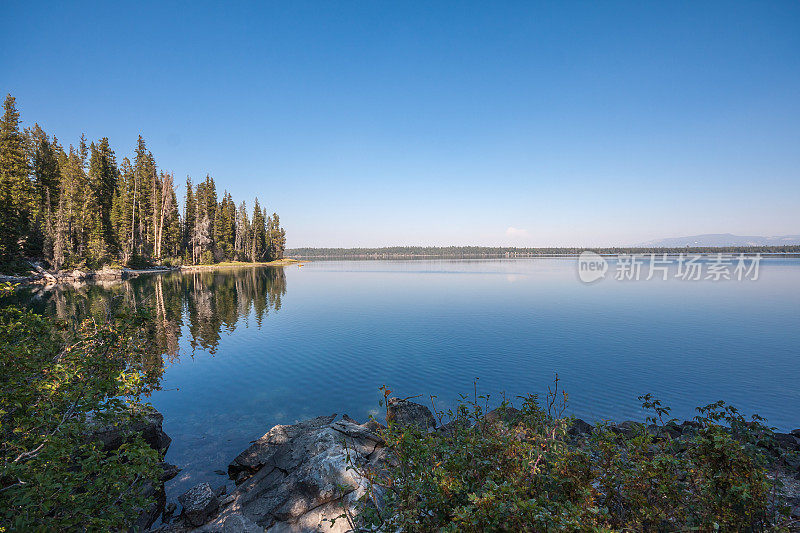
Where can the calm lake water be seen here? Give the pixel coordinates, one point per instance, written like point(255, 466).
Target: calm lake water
point(250, 348)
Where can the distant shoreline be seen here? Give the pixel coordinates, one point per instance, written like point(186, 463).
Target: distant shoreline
point(475, 252)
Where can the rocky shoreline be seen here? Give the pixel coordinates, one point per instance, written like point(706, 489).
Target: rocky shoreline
point(308, 476)
point(40, 276)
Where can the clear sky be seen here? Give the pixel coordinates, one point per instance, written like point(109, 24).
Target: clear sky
point(435, 123)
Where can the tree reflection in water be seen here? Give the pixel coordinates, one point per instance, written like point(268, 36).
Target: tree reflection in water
point(203, 301)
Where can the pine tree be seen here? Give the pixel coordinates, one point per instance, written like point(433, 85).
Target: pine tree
point(61, 236)
point(144, 173)
point(225, 226)
point(73, 187)
point(173, 229)
point(16, 190)
point(189, 215)
point(258, 235)
point(95, 243)
point(44, 165)
point(103, 177)
point(276, 238)
point(106, 186)
point(163, 211)
point(242, 229)
point(123, 213)
point(46, 176)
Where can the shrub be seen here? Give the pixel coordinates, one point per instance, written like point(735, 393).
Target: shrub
point(524, 470)
point(54, 477)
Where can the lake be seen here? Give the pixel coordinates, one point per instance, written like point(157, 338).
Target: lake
point(249, 348)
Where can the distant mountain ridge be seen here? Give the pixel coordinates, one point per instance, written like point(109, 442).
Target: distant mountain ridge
point(722, 239)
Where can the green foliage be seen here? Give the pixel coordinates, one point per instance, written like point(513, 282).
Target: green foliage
point(524, 470)
point(55, 382)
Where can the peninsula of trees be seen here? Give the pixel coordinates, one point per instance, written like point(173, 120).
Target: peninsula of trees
point(77, 207)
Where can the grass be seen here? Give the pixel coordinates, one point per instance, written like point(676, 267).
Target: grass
point(236, 264)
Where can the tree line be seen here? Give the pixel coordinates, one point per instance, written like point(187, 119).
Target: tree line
point(400, 252)
point(77, 207)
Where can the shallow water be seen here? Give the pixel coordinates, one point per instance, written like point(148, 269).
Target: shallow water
point(250, 348)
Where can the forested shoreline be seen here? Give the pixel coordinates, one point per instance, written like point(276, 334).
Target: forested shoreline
point(76, 207)
point(507, 251)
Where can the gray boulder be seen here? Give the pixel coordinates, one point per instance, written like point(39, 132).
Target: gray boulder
point(112, 434)
point(299, 477)
point(788, 441)
point(580, 427)
point(199, 503)
point(410, 414)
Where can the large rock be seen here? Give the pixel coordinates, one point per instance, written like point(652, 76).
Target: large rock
point(579, 428)
point(788, 441)
point(300, 477)
point(199, 503)
point(410, 414)
point(112, 434)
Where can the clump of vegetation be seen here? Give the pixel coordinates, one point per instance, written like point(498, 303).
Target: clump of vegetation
point(533, 469)
point(54, 382)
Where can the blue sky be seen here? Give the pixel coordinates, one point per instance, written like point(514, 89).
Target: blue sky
point(491, 123)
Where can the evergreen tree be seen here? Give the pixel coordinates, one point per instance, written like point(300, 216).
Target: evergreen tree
point(44, 164)
point(144, 198)
point(95, 243)
point(225, 226)
point(189, 215)
point(16, 191)
point(61, 235)
point(73, 180)
point(163, 213)
point(46, 176)
point(173, 228)
point(124, 213)
point(103, 177)
point(242, 231)
point(106, 186)
point(276, 237)
point(258, 236)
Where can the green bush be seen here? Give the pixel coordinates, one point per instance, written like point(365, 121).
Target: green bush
point(525, 470)
point(137, 261)
point(54, 477)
